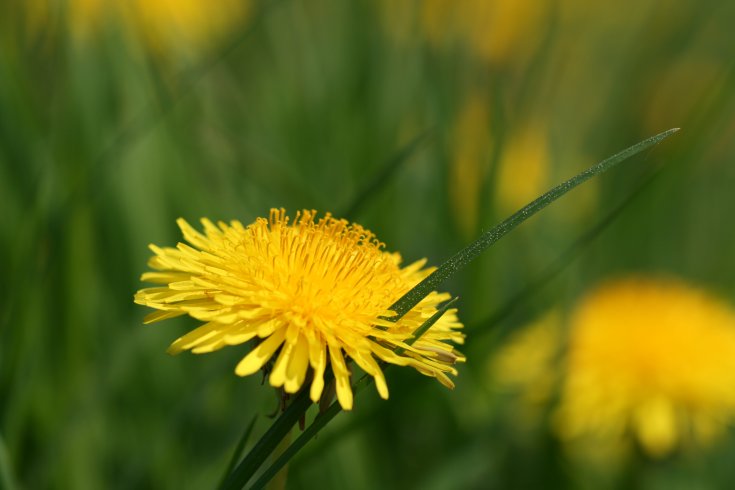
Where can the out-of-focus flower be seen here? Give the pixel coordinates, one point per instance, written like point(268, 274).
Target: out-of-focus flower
point(170, 25)
point(496, 31)
point(651, 359)
point(523, 167)
point(470, 160)
point(165, 26)
point(310, 293)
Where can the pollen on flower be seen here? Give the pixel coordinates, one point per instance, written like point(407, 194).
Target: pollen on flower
point(310, 293)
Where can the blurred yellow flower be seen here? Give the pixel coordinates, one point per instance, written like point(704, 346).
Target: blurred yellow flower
point(470, 160)
point(309, 292)
point(495, 30)
point(166, 26)
point(654, 359)
point(523, 167)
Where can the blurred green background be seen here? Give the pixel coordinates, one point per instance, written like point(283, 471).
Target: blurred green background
point(118, 117)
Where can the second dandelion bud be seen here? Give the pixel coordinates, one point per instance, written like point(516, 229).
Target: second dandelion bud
point(311, 293)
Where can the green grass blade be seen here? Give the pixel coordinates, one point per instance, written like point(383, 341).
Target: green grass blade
point(473, 250)
point(301, 403)
point(325, 417)
point(558, 265)
point(428, 323)
point(268, 442)
point(237, 453)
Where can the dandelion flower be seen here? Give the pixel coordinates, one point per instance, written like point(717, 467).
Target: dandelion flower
point(650, 359)
point(309, 293)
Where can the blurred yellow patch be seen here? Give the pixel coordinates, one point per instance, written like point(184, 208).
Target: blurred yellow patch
point(470, 160)
point(166, 26)
point(496, 31)
point(523, 168)
point(650, 358)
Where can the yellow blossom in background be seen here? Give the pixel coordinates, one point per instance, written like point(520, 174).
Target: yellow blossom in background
point(470, 160)
point(310, 293)
point(165, 26)
point(652, 359)
point(526, 365)
point(496, 31)
point(168, 25)
point(81, 18)
point(523, 167)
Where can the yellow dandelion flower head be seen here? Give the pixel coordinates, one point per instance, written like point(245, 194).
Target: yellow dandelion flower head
point(311, 293)
point(652, 359)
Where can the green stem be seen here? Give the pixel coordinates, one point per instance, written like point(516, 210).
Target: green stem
point(268, 443)
point(238, 450)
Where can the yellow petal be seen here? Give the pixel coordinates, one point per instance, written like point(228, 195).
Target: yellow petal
point(277, 376)
point(342, 377)
point(318, 360)
point(260, 354)
point(191, 235)
point(157, 316)
point(298, 365)
point(193, 338)
point(368, 364)
point(655, 424)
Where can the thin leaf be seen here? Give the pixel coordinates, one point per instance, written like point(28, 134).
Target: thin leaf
point(559, 264)
point(335, 408)
point(268, 442)
point(300, 404)
point(237, 454)
point(473, 250)
point(419, 332)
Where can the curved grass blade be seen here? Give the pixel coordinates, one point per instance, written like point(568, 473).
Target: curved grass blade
point(551, 271)
point(560, 263)
point(335, 408)
point(237, 453)
point(387, 171)
point(473, 250)
point(283, 424)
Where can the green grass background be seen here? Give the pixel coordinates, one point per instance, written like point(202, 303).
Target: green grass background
point(104, 144)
